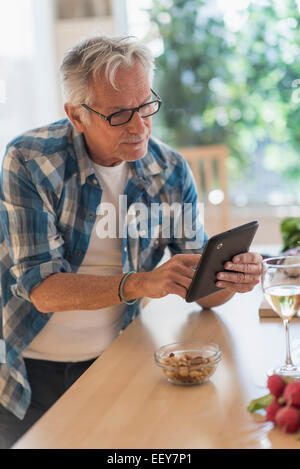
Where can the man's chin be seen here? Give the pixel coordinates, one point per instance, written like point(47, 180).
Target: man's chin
point(136, 153)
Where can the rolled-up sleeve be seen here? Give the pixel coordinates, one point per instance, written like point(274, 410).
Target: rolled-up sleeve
point(29, 227)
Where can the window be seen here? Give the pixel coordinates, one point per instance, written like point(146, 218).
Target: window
point(27, 67)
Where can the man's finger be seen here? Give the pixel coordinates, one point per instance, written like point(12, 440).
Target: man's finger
point(189, 260)
point(247, 258)
point(187, 271)
point(246, 268)
point(236, 287)
point(238, 278)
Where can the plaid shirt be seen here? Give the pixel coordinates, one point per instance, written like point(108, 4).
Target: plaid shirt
point(49, 195)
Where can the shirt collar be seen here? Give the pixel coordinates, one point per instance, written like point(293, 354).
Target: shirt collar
point(84, 161)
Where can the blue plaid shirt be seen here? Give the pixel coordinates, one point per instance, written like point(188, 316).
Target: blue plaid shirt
point(49, 195)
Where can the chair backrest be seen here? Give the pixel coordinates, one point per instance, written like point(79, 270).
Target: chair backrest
point(209, 167)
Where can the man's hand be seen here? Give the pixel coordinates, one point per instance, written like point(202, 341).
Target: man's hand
point(248, 268)
point(174, 276)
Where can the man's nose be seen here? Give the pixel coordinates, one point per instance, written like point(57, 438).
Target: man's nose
point(137, 123)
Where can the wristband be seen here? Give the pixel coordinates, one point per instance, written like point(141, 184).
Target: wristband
point(121, 286)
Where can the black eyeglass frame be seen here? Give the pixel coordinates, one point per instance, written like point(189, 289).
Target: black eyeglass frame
point(133, 110)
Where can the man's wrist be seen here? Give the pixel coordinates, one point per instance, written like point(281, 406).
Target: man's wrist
point(134, 286)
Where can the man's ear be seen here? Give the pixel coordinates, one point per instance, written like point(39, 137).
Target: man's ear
point(74, 117)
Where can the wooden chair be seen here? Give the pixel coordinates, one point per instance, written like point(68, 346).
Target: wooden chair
point(208, 165)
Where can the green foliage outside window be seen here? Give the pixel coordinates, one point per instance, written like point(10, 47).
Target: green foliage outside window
point(238, 85)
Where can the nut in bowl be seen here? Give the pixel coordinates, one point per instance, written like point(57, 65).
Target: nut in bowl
point(188, 363)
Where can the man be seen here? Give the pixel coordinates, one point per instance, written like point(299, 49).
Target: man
point(72, 272)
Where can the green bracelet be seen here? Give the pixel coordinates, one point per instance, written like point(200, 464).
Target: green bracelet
point(121, 288)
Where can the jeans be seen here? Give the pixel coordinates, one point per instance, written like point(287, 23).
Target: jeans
point(48, 381)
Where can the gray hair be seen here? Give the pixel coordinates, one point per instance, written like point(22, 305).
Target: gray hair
point(88, 58)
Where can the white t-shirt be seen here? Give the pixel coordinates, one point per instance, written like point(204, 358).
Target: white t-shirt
point(83, 334)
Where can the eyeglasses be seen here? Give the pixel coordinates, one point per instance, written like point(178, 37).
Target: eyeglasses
point(124, 116)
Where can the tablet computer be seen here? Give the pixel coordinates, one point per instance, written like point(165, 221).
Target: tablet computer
point(218, 250)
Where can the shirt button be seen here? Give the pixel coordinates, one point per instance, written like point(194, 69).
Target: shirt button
point(91, 215)
point(79, 252)
point(20, 344)
point(95, 181)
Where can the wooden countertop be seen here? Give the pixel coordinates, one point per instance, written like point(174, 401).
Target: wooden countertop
point(125, 401)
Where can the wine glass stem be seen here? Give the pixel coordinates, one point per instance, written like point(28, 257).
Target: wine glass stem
point(288, 360)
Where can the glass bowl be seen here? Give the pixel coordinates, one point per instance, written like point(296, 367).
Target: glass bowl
point(188, 363)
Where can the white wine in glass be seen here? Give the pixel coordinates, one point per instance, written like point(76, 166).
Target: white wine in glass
point(281, 287)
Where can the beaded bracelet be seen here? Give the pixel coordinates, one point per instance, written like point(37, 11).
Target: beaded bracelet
point(121, 285)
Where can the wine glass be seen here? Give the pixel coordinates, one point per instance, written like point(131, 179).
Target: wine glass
point(281, 286)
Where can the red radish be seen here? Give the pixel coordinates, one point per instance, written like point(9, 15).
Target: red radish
point(276, 385)
point(272, 409)
point(288, 419)
point(291, 393)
